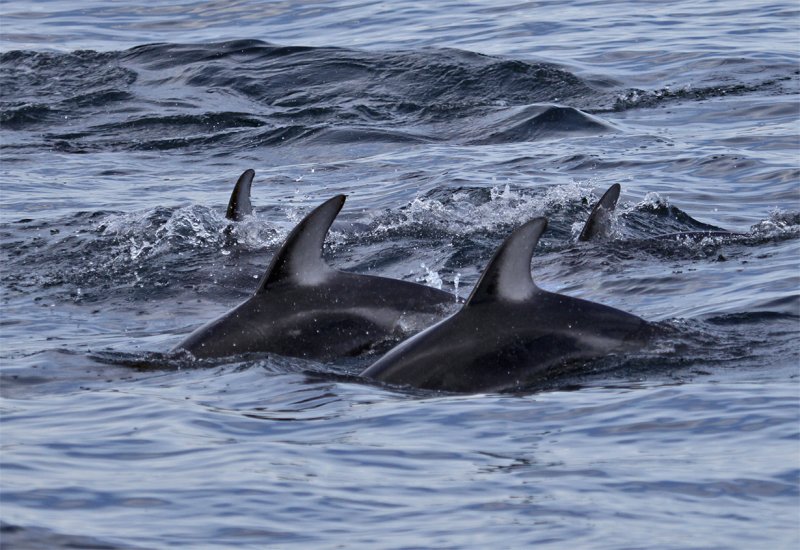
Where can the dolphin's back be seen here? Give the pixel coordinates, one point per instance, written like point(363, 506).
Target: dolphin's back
point(305, 308)
point(509, 345)
point(510, 333)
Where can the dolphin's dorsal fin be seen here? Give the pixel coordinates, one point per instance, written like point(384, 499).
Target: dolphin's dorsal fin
point(508, 275)
point(598, 218)
point(299, 261)
point(239, 206)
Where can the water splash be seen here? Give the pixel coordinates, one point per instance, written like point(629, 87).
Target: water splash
point(469, 211)
point(430, 278)
point(779, 223)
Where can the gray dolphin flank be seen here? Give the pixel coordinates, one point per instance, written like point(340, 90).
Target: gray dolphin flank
point(305, 308)
point(510, 333)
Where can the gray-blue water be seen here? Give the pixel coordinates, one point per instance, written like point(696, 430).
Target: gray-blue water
point(122, 130)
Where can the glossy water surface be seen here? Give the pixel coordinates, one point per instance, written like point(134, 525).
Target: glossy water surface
point(122, 131)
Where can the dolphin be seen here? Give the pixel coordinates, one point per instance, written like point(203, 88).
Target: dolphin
point(600, 216)
point(510, 333)
point(305, 308)
point(597, 224)
point(239, 204)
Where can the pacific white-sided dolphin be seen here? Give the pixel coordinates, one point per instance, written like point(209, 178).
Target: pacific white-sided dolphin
point(239, 204)
point(599, 218)
point(305, 308)
point(510, 333)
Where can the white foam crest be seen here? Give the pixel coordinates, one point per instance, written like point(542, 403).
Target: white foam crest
point(254, 233)
point(688, 242)
point(778, 223)
point(458, 213)
point(145, 233)
point(632, 97)
point(193, 224)
point(135, 250)
point(561, 195)
point(654, 200)
point(575, 229)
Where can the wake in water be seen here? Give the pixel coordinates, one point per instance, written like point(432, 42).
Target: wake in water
point(186, 246)
point(651, 227)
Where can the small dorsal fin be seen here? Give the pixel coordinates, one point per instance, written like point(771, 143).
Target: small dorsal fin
point(239, 206)
point(598, 218)
point(508, 275)
point(299, 261)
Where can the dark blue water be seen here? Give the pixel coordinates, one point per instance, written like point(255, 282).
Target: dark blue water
point(122, 131)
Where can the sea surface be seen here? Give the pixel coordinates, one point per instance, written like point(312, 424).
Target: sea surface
point(123, 128)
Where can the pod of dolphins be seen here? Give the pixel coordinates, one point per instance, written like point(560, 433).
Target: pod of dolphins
point(508, 334)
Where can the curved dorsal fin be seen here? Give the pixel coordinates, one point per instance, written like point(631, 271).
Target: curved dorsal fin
point(598, 218)
point(299, 261)
point(508, 275)
point(239, 206)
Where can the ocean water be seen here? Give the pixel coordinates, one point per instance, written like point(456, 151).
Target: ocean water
point(122, 131)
